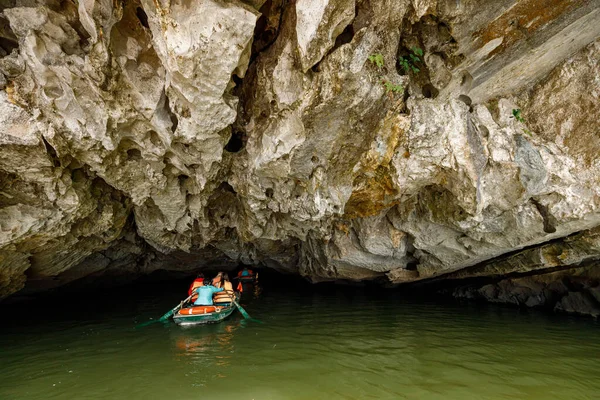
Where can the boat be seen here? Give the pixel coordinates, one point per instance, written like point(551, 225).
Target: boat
point(248, 278)
point(200, 315)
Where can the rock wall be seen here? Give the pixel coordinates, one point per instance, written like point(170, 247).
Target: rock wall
point(336, 139)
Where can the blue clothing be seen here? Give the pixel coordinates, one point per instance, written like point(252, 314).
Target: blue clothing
point(245, 272)
point(205, 295)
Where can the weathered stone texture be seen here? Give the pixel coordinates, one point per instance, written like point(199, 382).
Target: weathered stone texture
point(575, 290)
point(134, 133)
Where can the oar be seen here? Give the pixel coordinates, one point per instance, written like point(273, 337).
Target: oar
point(240, 308)
point(168, 314)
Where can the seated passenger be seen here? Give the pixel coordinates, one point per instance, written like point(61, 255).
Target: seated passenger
point(218, 280)
point(205, 295)
point(225, 296)
point(199, 281)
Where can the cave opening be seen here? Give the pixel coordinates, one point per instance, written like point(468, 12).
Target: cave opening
point(105, 224)
point(343, 38)
point(141, 14)
point(412, 265)
point(134, 155)
point(8, 39)
point(465, 99)
point(235, 143)
point(267, 27)
point(429, 91)
point(51, 152)
point(226, 186)
point(172, 115)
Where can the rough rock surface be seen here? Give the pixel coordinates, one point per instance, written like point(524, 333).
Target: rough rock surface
point(573, 291)
point(147, 135)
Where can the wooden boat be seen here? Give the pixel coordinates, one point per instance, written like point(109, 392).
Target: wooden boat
point(248, 278)
point(200, 315)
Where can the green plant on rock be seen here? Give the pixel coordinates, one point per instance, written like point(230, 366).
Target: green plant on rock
point(516, 112)
point(377, 59)
point(391, 88)
point(409, 62)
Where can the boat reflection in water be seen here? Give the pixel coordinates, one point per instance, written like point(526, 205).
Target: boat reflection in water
point(209, 344)
point(208, 350)
point(206, 346)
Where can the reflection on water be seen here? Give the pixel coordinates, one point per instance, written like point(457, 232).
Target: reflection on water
point(334, 344)
point(206, 349)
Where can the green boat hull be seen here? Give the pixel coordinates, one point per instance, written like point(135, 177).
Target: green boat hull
point(208, 318)
point(201, 319)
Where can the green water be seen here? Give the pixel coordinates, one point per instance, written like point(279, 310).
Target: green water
point(330, 344)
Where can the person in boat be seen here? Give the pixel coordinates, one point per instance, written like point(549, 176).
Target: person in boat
point(245, 272)
point(218, 280)
point(199, 281)
point(225, 295)
point(205, 295)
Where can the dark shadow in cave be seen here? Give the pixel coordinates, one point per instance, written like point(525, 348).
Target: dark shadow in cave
point(141, 14)
point(236, 142)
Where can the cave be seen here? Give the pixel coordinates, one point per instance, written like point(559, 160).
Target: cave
point(313, 134)
point(422, 240)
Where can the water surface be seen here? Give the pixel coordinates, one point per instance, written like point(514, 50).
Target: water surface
point(327, 344)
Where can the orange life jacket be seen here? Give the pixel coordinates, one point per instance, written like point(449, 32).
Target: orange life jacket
point(223, 296)
point(197, 283)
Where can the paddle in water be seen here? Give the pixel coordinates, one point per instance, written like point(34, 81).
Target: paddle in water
point(167, 315)
point(241, 309)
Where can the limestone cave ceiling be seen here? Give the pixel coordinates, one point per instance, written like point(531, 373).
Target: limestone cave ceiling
point(335, 139)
